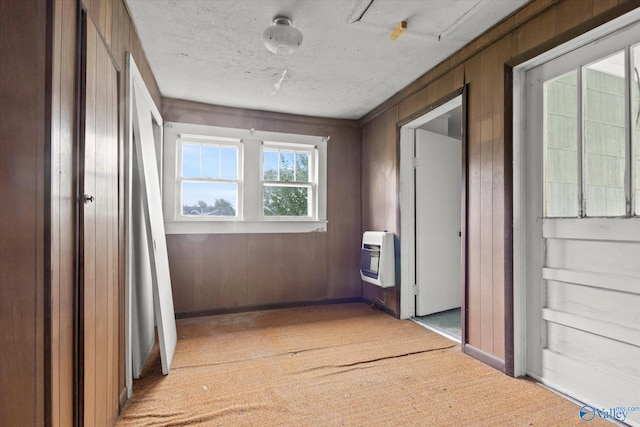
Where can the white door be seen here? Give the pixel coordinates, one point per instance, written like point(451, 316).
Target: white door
point(583, 229)
point(438, 176)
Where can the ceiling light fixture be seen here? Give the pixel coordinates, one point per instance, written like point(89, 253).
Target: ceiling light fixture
point(281, 37)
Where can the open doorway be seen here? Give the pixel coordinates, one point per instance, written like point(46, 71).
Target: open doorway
point(433, 207)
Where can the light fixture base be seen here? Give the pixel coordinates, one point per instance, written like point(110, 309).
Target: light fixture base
point(282, 38)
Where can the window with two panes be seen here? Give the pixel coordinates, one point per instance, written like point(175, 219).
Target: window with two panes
point(591, 139)
point(287, 187)
point(210, 183)
point(212, 180)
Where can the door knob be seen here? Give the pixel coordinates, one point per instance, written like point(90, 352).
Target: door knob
point(88, 199)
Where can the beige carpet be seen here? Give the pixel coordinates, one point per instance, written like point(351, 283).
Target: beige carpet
point(331, 366)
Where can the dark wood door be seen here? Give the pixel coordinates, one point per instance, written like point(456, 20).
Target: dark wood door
point(98, 336)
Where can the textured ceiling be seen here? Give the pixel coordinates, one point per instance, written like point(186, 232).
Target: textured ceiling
point(211, 50)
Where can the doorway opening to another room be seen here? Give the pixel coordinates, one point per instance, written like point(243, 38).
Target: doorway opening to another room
point(433, 214)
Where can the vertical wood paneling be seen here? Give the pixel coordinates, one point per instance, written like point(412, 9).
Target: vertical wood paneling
point(89, 237)
point(38, 134)
point(100, 221)
point(240, 271)
point(101, 194)
point(502, 54)
point(23, 144)
point(343, 279)
point(289, 291)
point(181, 255)
point(203, 295)
point(538, 30)
point(572, 13)
point(380, 187)
point(23, 35)
point(62, 213)
point(265, 275)
point(56, 269)
point(600, 6)
point(480, 64)
point(473, 74)
point(486, 200)
point(66, 197)
point(232, 271)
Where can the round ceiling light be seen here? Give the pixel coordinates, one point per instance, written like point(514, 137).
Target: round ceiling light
point(281, 37)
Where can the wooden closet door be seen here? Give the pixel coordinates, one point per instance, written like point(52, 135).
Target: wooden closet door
point(98, 362)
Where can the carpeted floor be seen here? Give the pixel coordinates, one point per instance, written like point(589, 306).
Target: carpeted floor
point(331, 366)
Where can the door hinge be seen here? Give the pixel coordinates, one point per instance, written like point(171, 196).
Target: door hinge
point(414, 162)
point(416, 290)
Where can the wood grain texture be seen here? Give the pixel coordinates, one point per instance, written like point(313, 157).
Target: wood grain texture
point(537, 30)
point(473, 79)
point(100, 221)
point(115, 24)
point(600, 6)
point(62, 215)
point(379, 192)
point(572, 13)
point(502, 54)
point(485, 305)
point(238, 271)
point(540, 25)
point(23, 192)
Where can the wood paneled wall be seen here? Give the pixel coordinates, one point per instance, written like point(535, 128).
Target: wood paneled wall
point(23, 185)
point(38, 131)
point(539, 26)
point(380, 190)
point(217, 272)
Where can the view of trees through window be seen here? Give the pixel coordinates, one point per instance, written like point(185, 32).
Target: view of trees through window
point(286, 190)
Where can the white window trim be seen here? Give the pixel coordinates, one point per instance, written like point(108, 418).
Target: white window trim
point(250, 218)
point(214, 141)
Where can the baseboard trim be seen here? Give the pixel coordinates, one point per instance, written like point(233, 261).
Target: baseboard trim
point(484, 357)
point(262, 307)
point(382, 307)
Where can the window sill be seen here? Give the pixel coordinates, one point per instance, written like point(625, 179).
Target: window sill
point(246, 227)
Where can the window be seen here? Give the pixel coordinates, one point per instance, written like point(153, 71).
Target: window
point(209, 184)
point(223, 180)
point(591, 133)
point(288, 181)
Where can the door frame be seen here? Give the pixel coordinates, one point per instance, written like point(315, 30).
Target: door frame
point(406, 131)
point(520, 233)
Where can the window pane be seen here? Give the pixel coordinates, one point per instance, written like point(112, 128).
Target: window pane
point(270, 165)
point(286, 166)
point(229, 163)
point(604, 137)
point(302, 167)
point(210, 162)
point(286, 201)
point(191, 160)
point(209, 198)
point(561, 146)
point(635, 120)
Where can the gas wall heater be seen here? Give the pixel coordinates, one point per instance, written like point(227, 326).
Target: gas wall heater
point(377, 259)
